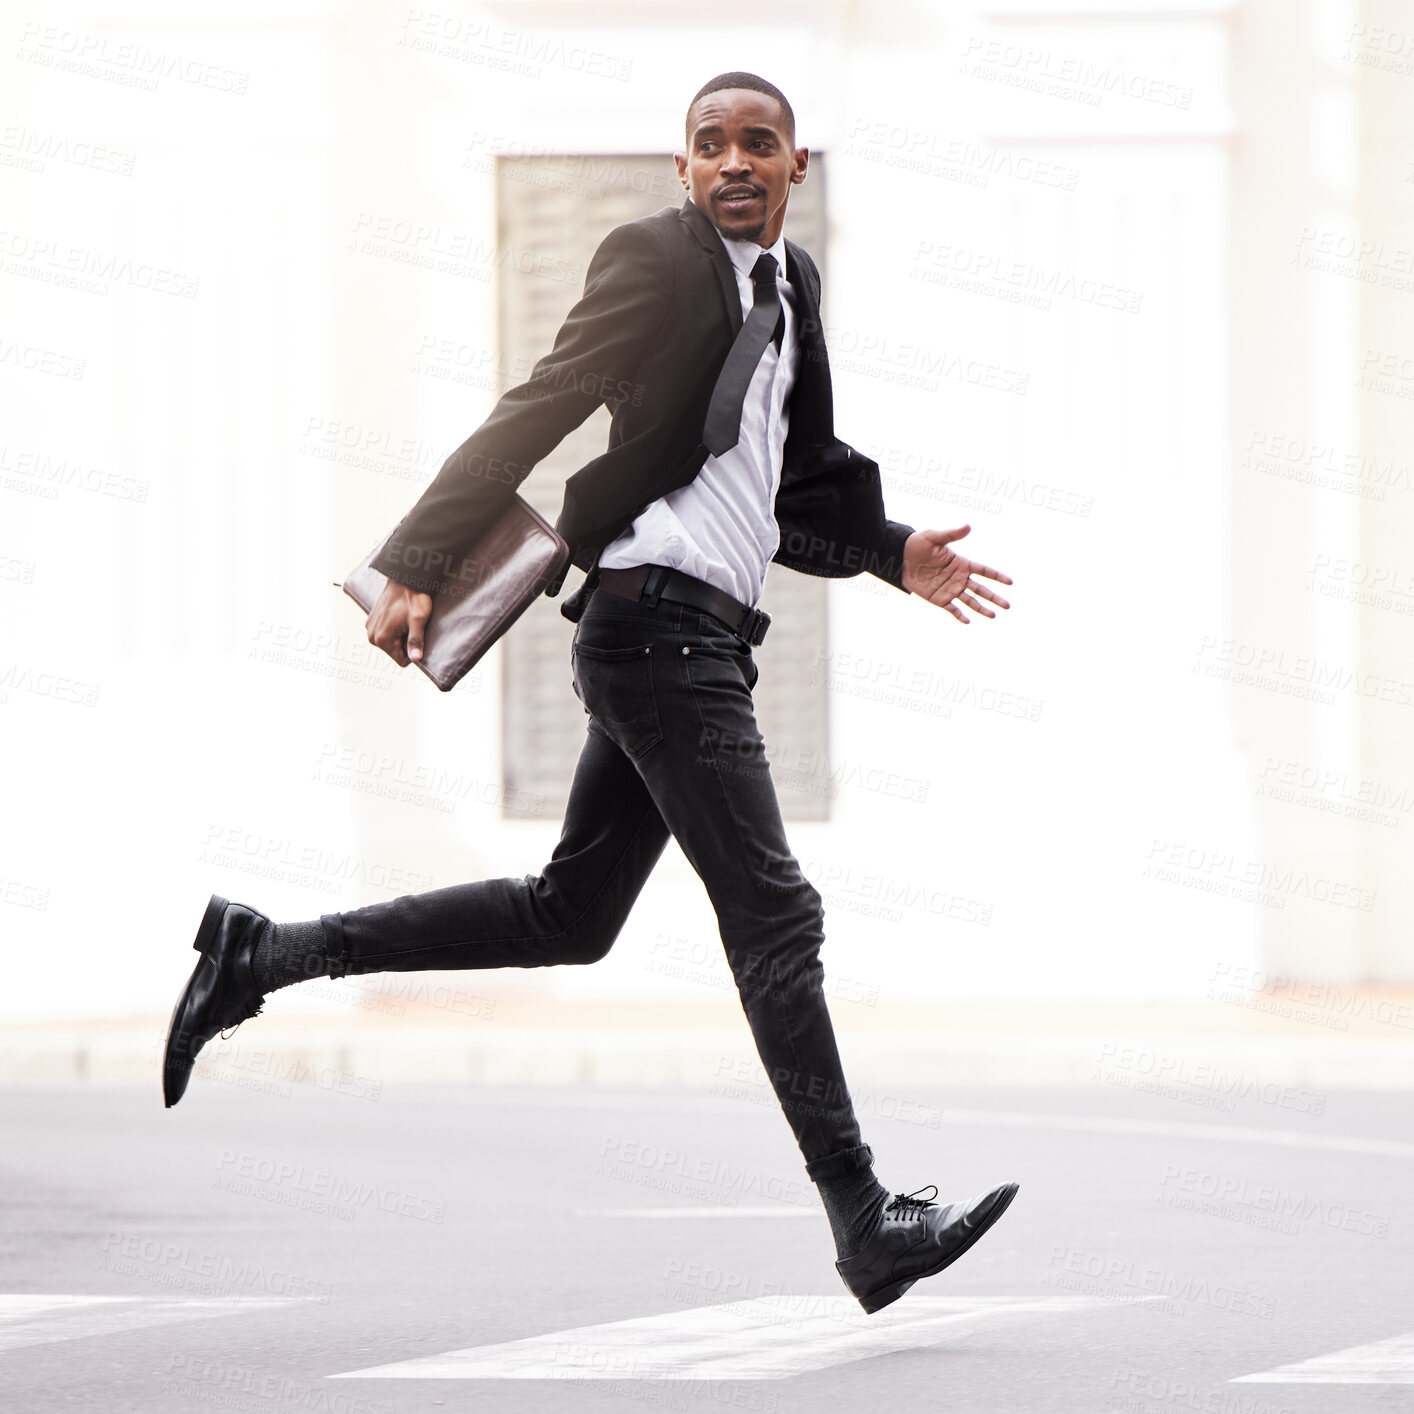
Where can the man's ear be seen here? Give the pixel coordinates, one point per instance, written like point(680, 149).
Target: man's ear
point(680, 160)
point(802, 160)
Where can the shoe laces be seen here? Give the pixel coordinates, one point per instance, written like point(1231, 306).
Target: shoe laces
point(234, 1028)
point(910, 1205)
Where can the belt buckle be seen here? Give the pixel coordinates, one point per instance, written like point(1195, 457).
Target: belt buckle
point(756, 626)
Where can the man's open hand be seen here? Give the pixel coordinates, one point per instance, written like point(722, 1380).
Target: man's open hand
point(397, 622)
point(935, 572)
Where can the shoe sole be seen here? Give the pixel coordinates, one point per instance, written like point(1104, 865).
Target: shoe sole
point(887, 1295)
point(210, 921)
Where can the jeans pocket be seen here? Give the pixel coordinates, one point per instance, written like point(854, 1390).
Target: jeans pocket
point(616, 687)
point(714, 639)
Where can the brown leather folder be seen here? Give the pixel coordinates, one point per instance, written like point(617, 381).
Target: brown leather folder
point(493, 585)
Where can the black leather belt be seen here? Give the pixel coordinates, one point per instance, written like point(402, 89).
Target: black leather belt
point(650, 583)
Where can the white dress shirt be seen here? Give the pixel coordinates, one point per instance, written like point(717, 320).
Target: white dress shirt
point(721, 527)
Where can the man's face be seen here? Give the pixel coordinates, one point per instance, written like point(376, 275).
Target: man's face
point(739, 166)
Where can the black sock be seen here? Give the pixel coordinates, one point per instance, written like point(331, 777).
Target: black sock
point(289, 953)
point(853, 1203)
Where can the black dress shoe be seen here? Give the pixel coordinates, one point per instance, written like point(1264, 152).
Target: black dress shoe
point(917, 1238)
point(221, 992)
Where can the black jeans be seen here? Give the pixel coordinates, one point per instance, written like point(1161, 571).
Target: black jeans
point(672, 746)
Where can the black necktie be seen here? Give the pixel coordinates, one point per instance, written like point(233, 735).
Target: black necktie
point(722, 429)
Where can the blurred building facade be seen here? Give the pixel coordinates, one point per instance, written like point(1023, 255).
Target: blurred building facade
point(1125, 287)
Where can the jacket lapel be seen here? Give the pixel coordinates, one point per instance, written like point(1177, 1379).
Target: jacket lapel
point(811, 406)
point(807, 308)
point(707, 237)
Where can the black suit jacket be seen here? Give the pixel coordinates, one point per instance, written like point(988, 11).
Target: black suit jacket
point(647, 339)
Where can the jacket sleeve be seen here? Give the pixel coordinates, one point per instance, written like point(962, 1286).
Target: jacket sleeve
point(627, 297)
point(889, 566)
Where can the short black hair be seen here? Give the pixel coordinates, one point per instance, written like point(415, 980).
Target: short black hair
point(739, 79)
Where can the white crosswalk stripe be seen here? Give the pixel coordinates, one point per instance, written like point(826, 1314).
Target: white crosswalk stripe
point(1383, 1362)
point(43, 1319)
point(770, 1338)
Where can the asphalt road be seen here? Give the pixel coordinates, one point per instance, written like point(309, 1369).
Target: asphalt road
point(256, 1248)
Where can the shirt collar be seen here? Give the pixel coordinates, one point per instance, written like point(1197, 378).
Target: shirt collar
point(745, 254)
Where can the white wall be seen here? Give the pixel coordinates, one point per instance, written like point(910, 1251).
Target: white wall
point(183, 580)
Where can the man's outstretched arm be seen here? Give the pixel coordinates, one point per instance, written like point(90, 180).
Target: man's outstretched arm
point(597, 353)
point(595, 358)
